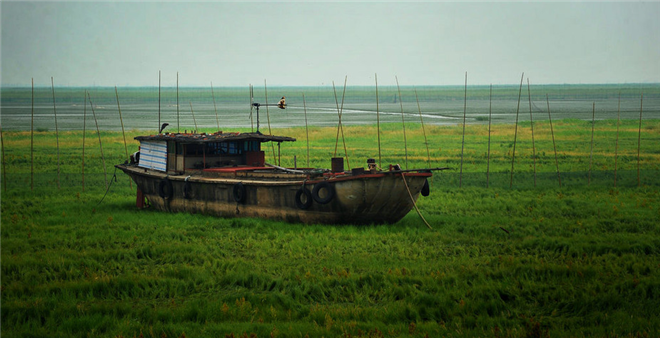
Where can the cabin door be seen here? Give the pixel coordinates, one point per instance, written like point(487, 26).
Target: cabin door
point(171, 156)
point(180, 164)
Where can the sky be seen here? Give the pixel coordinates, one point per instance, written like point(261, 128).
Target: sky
point(314, 43)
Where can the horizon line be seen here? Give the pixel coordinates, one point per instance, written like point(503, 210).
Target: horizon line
point(16, 86)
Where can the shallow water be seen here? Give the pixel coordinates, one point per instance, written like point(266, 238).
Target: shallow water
point(441, 105)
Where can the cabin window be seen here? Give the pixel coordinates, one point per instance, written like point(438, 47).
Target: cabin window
point(252, 146)
point(233, 149)
point(226, 148)
point(195, 149)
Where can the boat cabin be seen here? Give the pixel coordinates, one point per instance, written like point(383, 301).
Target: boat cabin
point(177, 153)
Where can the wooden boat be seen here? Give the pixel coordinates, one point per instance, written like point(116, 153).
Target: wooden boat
point(225, 174)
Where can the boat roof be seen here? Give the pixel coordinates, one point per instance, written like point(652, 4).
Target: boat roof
point(215, 137)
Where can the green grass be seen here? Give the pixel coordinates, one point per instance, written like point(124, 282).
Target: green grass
point(580, 260)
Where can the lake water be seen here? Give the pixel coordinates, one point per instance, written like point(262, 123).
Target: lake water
point(229, 108)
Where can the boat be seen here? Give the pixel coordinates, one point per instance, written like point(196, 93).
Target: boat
point(225, 174)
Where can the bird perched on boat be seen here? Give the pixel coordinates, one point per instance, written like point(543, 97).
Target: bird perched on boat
point(163, 127)
point(282, 103)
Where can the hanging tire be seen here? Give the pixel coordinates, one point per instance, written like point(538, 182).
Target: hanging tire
point(165, 189)
point(329, 195)
point(304, 205)
point(426, 189)
point(239, 192)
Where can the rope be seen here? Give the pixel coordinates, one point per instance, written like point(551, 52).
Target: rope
point(114, 176)
point(413, 201)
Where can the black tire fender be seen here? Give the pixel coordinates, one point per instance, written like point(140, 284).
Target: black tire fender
point(239, 192)
point(328, 196)
point(426, 189)
point(165, 189)
point(308, 198)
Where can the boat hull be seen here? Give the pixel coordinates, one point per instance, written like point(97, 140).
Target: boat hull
point(361, 199)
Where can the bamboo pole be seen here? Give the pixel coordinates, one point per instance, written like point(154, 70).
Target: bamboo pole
point(341, 125)
point(426, 142)
point(531, 122)
point(591, 148)
point(515, 137)
point(306, 128)
point(57, 134)
point(121, 120)
point(4, 168)
point(217, 120)
point(272, 146)
point(490, 115)
point(460, 177)
point(123, 133)
point(340, 128)
point(178, 125)
point(378, 121)
point(83, 140)
point(251, 107)
point(639, 137)
point(616, 148)
point(554, 146)
point(193, 116)
point(158, 101)
point(403, 122)
point(32, 141)
point(98, 132)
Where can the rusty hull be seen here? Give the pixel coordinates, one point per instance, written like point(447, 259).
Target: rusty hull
point(361, 199)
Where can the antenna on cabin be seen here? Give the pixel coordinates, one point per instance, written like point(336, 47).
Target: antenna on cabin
point(255, 105)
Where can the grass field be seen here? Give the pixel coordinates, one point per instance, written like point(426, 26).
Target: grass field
point(534, 260)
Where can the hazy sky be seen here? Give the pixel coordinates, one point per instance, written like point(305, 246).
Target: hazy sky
point(287, 43)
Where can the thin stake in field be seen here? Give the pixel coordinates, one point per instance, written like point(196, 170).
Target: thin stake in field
point(340, 126)
point(341, 113)
point(178, 125)
point(490, 118)
point(460, 177)
point(4, 168)
point(159, 100)
point(426, 142)
point(214, 107)
point(251, 107)
point(515, 135)
point(306, 128)
point(377, 120)
point(32, 141)
point(123, 133)
point(272, 146)
point(193, 116)
point(552, 132)
point(639, 137)
point(616, 148)
point(57, 134)
point(121, 120)
point(83, 140)
point(591, 151)
point(98, 132)
point(403, 122)
point(531, 122)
